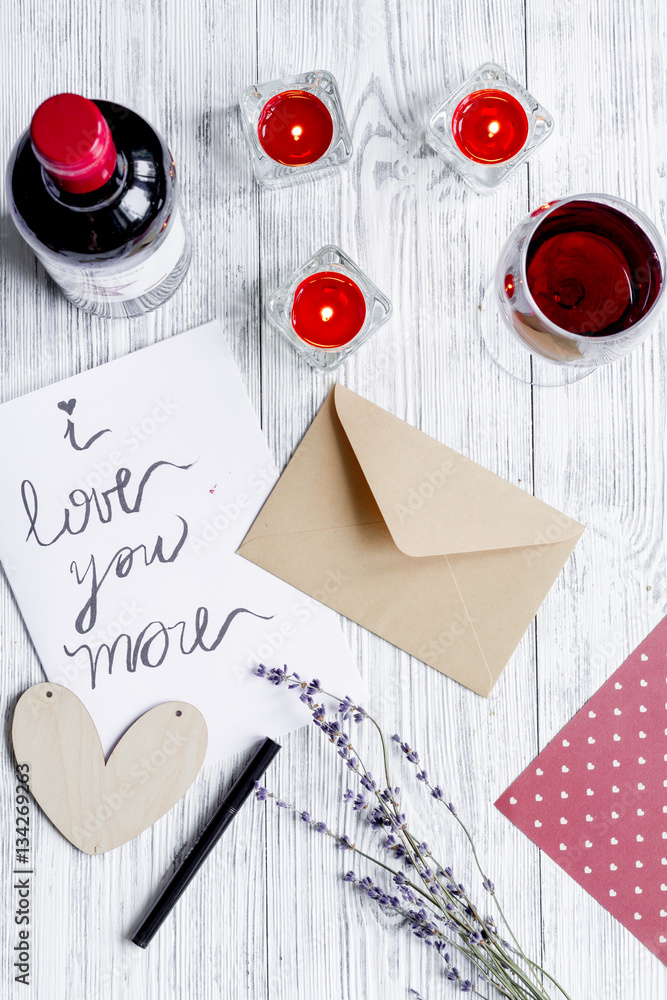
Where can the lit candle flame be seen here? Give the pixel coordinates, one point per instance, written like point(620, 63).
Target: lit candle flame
point(326, 313)
point(494, 128)
point(297, 131)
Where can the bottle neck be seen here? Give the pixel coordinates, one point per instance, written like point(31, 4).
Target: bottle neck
point(92, 200)
point(72, 140)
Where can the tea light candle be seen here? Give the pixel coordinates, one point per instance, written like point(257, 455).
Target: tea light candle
point(490, 126)
point(295, 128)
point(329, 310)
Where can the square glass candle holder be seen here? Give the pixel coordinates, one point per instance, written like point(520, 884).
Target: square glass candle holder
point(328, 308)
point(488, 127)
point(295, 127)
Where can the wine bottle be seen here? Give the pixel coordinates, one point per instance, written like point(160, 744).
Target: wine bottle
point(92, 189)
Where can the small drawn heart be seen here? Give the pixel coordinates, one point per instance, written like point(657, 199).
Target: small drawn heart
point(563, 821)
point(663, 939)
point(613, 867)
point(640, 812)
point(512, 801)
point(67, 405)
point(589, 791)
point(538, 798)
point(642, 708)
point(617, 711)
point(642, 734)
point(664, 861)
point(663, 887)
point(591, 715)
point(589, 843)
point(639, 838)
point(638, 890)
point(641, 760)
point(644, 657)
point(616, 737)
point(591, 767)
point(638, 864)
point(564, 769)
point(565, 743)
point(638, 916)
point(613, 840)
point(539, 771)
point(615, 788)
point(614, 815)
point(589, 818)
point(591, 740)
point(563, 795)
point(537, 823)
point(617, 763)
point(612, 892)
point(563, 847)
point(618, 686)
point(644, 683)
point(641, 787)
point(171, 739)
point(663, 913)
point(588, 870)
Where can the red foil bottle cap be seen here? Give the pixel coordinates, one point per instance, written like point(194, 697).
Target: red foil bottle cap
point(72, 140)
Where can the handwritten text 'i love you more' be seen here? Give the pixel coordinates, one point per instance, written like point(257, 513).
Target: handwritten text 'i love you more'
point(151, 646)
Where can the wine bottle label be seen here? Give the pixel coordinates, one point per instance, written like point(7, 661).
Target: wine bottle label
point(102, 281)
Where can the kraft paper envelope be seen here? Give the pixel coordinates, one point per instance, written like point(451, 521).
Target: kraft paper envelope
point(411, 540)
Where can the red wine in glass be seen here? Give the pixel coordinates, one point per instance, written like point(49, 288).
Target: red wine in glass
point(591, 269)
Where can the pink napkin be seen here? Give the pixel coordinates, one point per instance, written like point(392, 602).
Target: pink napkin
point(595, 799)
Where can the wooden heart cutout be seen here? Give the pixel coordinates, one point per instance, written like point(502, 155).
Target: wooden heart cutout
point(99, 806)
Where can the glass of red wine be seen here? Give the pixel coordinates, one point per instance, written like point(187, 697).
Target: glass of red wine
point(579, 283)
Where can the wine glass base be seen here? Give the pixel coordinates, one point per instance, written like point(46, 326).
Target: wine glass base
point(515, 359)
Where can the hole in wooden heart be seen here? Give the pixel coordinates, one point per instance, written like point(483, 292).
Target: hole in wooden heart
point(49, 694)
point(179, 712)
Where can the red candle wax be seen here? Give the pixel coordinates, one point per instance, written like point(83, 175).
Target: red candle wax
point(295, 128)
point(329, 310)
point(490, 126)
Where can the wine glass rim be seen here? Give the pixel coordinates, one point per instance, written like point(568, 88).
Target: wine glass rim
point(649, 229)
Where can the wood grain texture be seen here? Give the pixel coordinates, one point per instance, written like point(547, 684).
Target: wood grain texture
point(270, 918)
point(99, 805)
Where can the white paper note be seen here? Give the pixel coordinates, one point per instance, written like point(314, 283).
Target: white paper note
point(125, 492)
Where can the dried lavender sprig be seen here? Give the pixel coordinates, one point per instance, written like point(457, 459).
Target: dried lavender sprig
point(343, 841)
point(436, 793)
point(500, 961)
point(423, 929)
point(525, 987)
point(347, 708)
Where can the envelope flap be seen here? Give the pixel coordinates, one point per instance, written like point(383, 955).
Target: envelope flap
point(433, 500)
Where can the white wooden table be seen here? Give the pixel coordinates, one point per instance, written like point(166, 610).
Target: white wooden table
point(270, 917)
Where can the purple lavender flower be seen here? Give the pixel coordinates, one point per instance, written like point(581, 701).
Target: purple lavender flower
point(345, 707)
point(349, 877)
point(368, 782)
point(261, 794)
